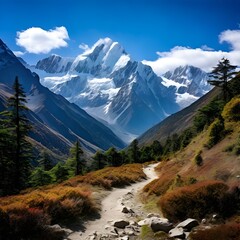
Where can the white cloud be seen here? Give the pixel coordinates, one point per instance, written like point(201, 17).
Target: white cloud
point(207, 48)
point(84, 46)
point(18, 53)
point(37, 40)
point(205, 59)
point(232, 37)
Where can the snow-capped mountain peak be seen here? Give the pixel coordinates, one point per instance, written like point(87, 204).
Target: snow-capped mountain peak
point(192, 79)
point(105, 56)
point(124, 94)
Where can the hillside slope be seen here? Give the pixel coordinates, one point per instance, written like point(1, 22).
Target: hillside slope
point(52, 111)
point(177, 122)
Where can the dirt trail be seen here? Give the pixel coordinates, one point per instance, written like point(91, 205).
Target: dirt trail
point(112, 206)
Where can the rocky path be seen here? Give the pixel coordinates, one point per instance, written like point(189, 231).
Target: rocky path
point(112, 207)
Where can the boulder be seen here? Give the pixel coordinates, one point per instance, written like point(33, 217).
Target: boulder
point(160, 224)
point(121, 224)
point(177, 233)
point(188, 224)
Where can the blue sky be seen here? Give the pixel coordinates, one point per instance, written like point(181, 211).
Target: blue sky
point(143, 27)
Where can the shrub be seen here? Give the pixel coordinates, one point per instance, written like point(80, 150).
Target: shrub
point(198, 159)
point(231, 111)
point(23, 223)
point(197, 200)
point(229, 231)
point(216, 132)
point(27, 215)
point(207, 114)
point(159, 186)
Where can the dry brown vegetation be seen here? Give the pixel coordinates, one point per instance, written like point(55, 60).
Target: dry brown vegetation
point(111, 176)
point(28, 215)
point(229, 231)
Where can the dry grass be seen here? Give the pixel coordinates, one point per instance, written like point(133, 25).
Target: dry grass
point(111, 176)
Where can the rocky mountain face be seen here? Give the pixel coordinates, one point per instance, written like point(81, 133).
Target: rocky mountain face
point(57, 123)
point(193, 80)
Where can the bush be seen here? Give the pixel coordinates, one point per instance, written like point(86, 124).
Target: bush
point(23, 223)
point(159, 186)
point(231, 111)
point(216, 132)
point(28, 215)
point(197, 200)
point(229, 231)
point(198, 159)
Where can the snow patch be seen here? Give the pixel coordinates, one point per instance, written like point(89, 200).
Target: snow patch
point(185, 99)
point(168, 83)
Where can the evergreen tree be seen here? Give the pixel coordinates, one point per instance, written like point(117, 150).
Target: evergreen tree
point(61, 173)
point(76, 160)
point(39, 177)
point(45, 161)
point(146, 154)
point(167, 146)
point(133, 152)
point(14, 119)
point(100, 159)
point(113, 157)
point(157, 148)
point(6, 159)
point(222, 73)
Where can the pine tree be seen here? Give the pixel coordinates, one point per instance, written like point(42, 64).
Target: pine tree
point(222, 73)
point(113, 157)
point(134, 152)
point(45, 161)
point(75, 162)
point(99, 157)
point(6, 159)
point(18, 126)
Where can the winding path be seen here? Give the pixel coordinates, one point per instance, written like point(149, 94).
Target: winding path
point(112, 206)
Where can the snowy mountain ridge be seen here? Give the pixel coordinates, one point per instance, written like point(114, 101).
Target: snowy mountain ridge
point(124, 94)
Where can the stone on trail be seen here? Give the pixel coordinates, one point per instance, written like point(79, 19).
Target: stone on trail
point(161, 224)
point(188, 224)
point(121, 223)
point(177, 233)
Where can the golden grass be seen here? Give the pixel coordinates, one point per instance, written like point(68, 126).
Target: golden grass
point(111, 176)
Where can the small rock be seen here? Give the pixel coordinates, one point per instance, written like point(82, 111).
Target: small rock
point(124, 238)
point(146, 221)
point(177, 233)
point(161, 224)
point(150, 215)
point(204, 221)
point(130, 232)
point(127, 210)
point(188, 224)
point(121, 224)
